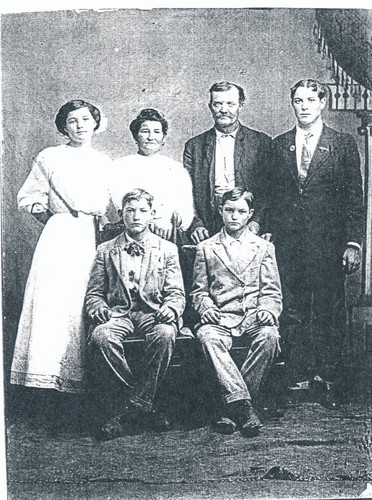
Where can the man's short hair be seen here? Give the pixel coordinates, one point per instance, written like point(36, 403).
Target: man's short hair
point(319, 88)
point(223, 87)
point(137, 194)
point(236, 194)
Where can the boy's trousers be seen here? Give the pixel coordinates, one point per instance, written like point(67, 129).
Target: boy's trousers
point(235, 384)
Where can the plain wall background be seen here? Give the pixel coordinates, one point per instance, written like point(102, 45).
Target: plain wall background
point(125, 60)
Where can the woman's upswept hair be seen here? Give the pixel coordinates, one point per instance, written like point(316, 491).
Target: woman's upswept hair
point(72, 105)
point(148, 114)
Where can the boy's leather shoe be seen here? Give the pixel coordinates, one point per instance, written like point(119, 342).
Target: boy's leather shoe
point(225, 425)
point(112, 429)
point(244, 414)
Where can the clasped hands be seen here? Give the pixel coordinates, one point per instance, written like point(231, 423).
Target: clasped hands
point(213, 316)
point(103, 314)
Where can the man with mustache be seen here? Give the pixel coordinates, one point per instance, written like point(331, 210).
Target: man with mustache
point(226, 156)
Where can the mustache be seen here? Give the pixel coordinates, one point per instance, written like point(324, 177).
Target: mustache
point(219, 115)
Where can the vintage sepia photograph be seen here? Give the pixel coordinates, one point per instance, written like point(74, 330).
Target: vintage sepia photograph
point(186, 252)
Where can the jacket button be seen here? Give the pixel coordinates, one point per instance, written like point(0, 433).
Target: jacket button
point(240, 300)
point(242, 285)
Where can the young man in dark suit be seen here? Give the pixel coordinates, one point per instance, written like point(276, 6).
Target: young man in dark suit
point(237, 296)
point(227, 155)
point(136, 289)
point(316, 218)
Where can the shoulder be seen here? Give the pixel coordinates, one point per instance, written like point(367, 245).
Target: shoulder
point(165, 246)
point(169, 162)
point(208, 243)
point(337, 136)
point(108, 245)
point(51, 152)
point(288, 135)
point(200, 138)
point(254, 134)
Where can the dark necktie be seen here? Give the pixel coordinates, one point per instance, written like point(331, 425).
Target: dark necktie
point(134, 248)
point(305, 159)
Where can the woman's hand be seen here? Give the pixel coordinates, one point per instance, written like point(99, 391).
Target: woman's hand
point(40, 213)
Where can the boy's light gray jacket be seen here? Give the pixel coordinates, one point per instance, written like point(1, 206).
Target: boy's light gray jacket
point(238, 295)
point(160, 278)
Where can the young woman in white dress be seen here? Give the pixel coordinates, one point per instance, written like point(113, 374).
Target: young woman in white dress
point(166, 179)
point(65, 189)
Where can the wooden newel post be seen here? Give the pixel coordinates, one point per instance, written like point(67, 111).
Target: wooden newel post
point(362, 312)
point(366, 130)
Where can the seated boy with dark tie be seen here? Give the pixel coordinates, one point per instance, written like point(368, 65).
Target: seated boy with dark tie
point(237, 294)
point(136, 289)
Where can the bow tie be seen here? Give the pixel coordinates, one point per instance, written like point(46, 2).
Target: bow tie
point(227, 135)
point(134, 248)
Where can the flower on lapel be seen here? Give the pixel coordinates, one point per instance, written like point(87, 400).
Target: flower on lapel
point(292, 148)
point(323, 149)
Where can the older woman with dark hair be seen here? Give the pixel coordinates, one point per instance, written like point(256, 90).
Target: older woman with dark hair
point(65, 189)
point(163, 177)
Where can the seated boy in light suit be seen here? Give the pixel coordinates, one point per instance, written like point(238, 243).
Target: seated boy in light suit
point(136, 289)
point(237, 293)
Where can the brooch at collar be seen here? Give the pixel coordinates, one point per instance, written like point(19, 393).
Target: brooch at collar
point(324, 149)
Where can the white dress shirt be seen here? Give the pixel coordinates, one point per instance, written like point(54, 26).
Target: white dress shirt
point(224, 162)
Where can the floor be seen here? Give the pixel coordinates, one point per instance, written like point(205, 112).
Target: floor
point(309, 452)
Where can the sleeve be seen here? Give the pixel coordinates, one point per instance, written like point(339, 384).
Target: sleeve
point(97, 286)
point(35, 189)
point(184, 200)
point(270, 294)
point(201, 298)
point(189, 166)
point(263, 181)
point(173, 289)
point(353, 193)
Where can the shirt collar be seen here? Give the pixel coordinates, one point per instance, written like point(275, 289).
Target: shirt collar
point(227, 239)
point(233, 134)
point(316, 130)
point(142, 243)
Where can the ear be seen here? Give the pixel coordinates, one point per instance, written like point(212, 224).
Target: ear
point(120, 213)
point(251, 212)
point(323, 102)
point(220, 209)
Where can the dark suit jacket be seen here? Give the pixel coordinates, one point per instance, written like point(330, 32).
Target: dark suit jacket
point(251, 160)
point(160, 277)
point(328, 213)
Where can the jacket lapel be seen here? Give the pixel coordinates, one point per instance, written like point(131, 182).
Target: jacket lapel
point(151, 252)
point(241, 140)
point(115, 256)
point(289, 153)
point(207, 174)
point(323, 149)
point(250, 250)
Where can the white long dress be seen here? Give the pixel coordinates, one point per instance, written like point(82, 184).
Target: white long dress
point(50, 344)
point(166, 179)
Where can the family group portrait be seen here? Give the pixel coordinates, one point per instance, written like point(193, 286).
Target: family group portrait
point(187, 253)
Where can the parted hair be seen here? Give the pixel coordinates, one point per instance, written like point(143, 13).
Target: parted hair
point(319, 88)
point(61, 117)
point(137, 194)
point(223, 87)
point(236, 194)
point(148, 114)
